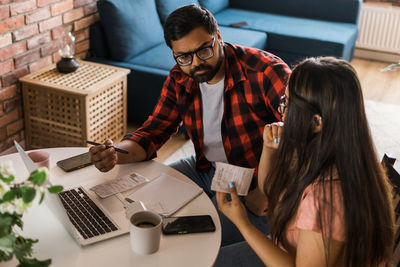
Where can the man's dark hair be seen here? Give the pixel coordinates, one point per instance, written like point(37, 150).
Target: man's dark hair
point(185, 19)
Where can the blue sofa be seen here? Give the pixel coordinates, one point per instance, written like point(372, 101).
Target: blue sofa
point(129, 34)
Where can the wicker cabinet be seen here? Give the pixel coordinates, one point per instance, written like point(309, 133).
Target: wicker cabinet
point(67, 109)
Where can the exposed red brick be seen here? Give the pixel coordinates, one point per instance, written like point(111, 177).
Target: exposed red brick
point(6, 66)
point(80, 3)
point(12, 50)
point(8, 92)
point(82, 46)
point(49, 48)
point(38, 15)
point(9, 142)
point(43, 62)
point(26, 58)
point(14, 127)
point(82, 55)
point(22, 7)
point(12, 77)
point(12, 104)
point(11, 24)
point(57, 32)
point(41, 3)
point(90, 9)
point(3, 131)
point(50, 24)
point(56, 57)
point(85, 22)
point(10, 117)
point(2, 2)
point(62, 7)
point(5, 40)
point(73, 15)
point(39, 40)
point(4, 12)
point(81, 35)
point(25, 32)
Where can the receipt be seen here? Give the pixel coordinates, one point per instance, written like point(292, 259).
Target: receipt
point(119, 184)
point(225, 173)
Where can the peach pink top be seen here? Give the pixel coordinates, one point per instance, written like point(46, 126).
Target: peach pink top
point(313, 208)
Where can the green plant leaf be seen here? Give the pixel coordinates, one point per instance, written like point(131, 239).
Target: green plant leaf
point(38, 177)
point(6, 246)
point(41, 198)
point(34, 263)
point(9, 196)
point(28, 194)
point(6, 222)
point(8, 179)
point(55, 189)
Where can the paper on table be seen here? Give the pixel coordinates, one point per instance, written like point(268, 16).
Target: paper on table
point(165, 194)
point(225, 173)
point(119, 184)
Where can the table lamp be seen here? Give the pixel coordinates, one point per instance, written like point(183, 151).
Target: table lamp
point(66, 49)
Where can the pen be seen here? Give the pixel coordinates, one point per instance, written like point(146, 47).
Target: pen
point(116, 148)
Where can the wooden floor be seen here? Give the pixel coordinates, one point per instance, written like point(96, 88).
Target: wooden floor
point(376, 85)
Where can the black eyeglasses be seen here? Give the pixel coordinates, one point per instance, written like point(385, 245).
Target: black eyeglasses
point(203, 53)
point(282, 105)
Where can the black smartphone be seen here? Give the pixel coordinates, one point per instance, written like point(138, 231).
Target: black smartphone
point(75, 162)
point(187, 225)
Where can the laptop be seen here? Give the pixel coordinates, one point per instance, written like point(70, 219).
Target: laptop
point(87, 218)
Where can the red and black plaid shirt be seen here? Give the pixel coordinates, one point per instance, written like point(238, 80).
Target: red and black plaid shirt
point(254, 82)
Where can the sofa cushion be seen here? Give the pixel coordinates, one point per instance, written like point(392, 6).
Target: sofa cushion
point(160, 56)
point(214, 6)
point(299, 35)
point(244, 37)
point(332, 10)
point(166, 7)
point(131, 27)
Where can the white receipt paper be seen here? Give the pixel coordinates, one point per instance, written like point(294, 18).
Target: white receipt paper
point(225, 173)
point(119, 184)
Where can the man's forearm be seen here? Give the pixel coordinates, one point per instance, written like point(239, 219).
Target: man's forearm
point(136, 152)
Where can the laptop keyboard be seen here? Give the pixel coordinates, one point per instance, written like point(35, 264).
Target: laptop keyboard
point(84, 214)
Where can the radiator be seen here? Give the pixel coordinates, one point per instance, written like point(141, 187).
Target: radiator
point(379, 28)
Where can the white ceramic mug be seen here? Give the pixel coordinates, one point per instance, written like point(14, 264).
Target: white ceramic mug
point(145, 232)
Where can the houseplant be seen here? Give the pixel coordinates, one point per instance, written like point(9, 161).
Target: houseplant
point(15, 199)
point(392, 67)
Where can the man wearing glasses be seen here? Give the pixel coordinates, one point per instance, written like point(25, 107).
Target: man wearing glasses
point(224, 95)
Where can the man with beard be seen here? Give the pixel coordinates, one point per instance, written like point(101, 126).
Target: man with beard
point(223, 94)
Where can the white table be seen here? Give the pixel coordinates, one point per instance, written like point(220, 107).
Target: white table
point(56, 243)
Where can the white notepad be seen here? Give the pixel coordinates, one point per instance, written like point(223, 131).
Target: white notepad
point(166, 194)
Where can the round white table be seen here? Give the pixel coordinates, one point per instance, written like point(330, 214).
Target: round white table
point(56, 243)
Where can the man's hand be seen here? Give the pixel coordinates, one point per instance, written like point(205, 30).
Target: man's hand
point(104, 159)
point(257, 202)
point(234, 209)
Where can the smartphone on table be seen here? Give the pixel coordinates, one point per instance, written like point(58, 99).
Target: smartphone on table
point(75, 162)
point(188, 224)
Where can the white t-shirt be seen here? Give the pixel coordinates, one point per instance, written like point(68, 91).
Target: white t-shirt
point(212, 96)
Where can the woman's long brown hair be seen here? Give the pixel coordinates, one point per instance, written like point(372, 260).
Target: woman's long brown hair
point(330, 88)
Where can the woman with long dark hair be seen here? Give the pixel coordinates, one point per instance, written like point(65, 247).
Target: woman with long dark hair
point(329, 199)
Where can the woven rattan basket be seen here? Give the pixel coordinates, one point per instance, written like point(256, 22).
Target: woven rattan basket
point(67, 109)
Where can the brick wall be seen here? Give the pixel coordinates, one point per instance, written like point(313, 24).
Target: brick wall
point(29, 30)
